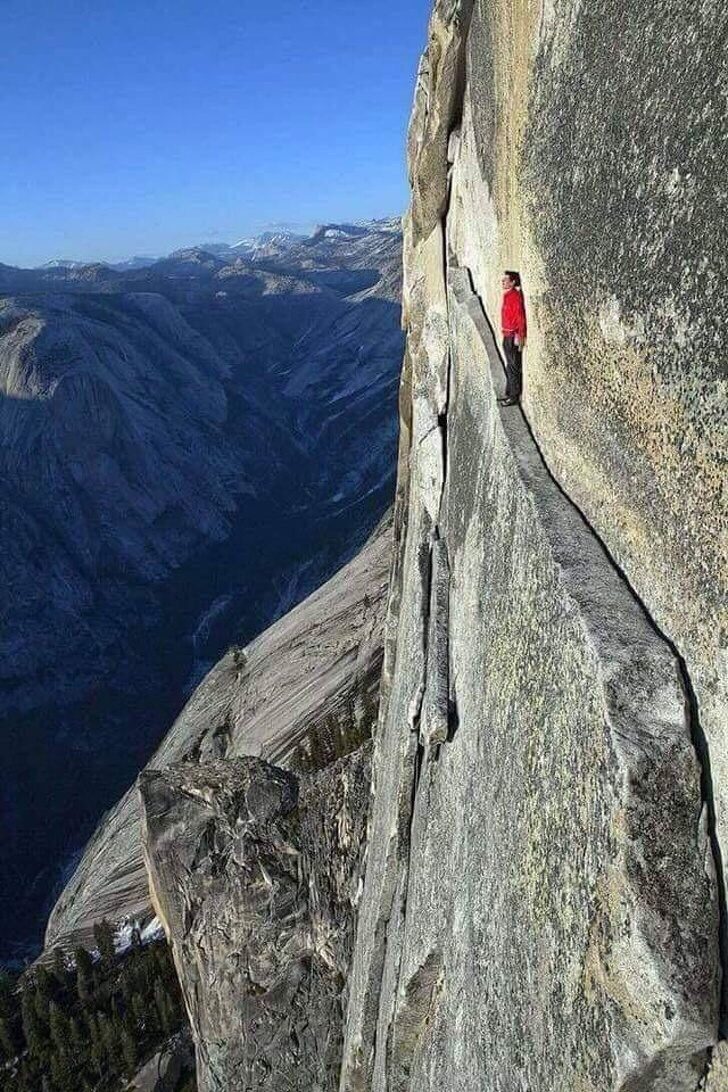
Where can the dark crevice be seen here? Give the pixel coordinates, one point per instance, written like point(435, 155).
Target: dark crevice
point(418, 762)
point(702, 749)
point(375, 1032)
point(442, 424)
point(424, 561)
point(697, 733)
point(456, 113)
point(706, 1071)
point(453, 718)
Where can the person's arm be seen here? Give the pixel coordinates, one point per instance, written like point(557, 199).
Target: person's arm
point(521, 329)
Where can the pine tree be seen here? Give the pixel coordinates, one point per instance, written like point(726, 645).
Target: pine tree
point(43, 982)
point(240, 662)
point(6, 994)
point(127, 985)
point(60, 970)
point(58, 1029)
point(7, 1038)
point(165, 1007)
point(84, 975)
point(128, 1050)
point(33, 1030)
point(317, 749)
point(98, 1057)
point(61, 1075)
point(27, 1078)
point(109, 1039)
point(298, 759)
point(139, 1009)
point(163, 957)
point(92, 1028)
point(104, 937)
point(43, 993)
point(78, 1045)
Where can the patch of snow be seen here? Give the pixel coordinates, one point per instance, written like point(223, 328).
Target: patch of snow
point(153, 930)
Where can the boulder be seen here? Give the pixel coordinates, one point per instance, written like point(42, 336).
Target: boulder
point(255, 875)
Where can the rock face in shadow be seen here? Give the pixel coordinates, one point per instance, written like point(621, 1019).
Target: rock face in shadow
point(255, 875)
point(541, 908)
point(308, 666)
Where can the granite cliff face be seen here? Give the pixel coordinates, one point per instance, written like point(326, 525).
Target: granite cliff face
point(543, 896)
point(264, 701)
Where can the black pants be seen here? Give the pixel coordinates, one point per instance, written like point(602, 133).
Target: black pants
point(514, 367)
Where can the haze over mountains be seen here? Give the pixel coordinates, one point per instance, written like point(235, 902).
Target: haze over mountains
point(187, 448)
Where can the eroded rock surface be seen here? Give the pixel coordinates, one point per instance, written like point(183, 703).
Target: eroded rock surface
point(255, 875)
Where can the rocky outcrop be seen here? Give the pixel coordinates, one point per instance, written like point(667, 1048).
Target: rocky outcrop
point(166, 1071)
point(543, 892)
point(264, 701)
point(255, 876)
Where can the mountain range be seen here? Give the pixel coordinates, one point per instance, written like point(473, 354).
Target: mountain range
point(187, 449)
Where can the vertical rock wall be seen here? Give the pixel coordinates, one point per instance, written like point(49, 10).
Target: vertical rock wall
point(541, 908)
point(590, 155)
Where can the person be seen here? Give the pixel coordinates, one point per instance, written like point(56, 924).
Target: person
point(513, 325)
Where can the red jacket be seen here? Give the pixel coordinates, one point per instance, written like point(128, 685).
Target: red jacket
point(513, 313)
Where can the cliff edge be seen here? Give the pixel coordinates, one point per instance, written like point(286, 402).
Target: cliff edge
point(544, 889)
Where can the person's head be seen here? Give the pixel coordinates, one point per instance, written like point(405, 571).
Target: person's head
point(511, 279)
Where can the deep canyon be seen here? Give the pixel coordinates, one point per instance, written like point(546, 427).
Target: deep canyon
point(187, 450)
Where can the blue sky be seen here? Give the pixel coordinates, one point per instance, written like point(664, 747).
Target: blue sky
point(136, 126)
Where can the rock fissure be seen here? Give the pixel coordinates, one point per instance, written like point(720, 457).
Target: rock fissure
point(434, 722)
point(708, 793)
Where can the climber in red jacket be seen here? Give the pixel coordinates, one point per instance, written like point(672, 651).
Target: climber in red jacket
point(513, 325)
